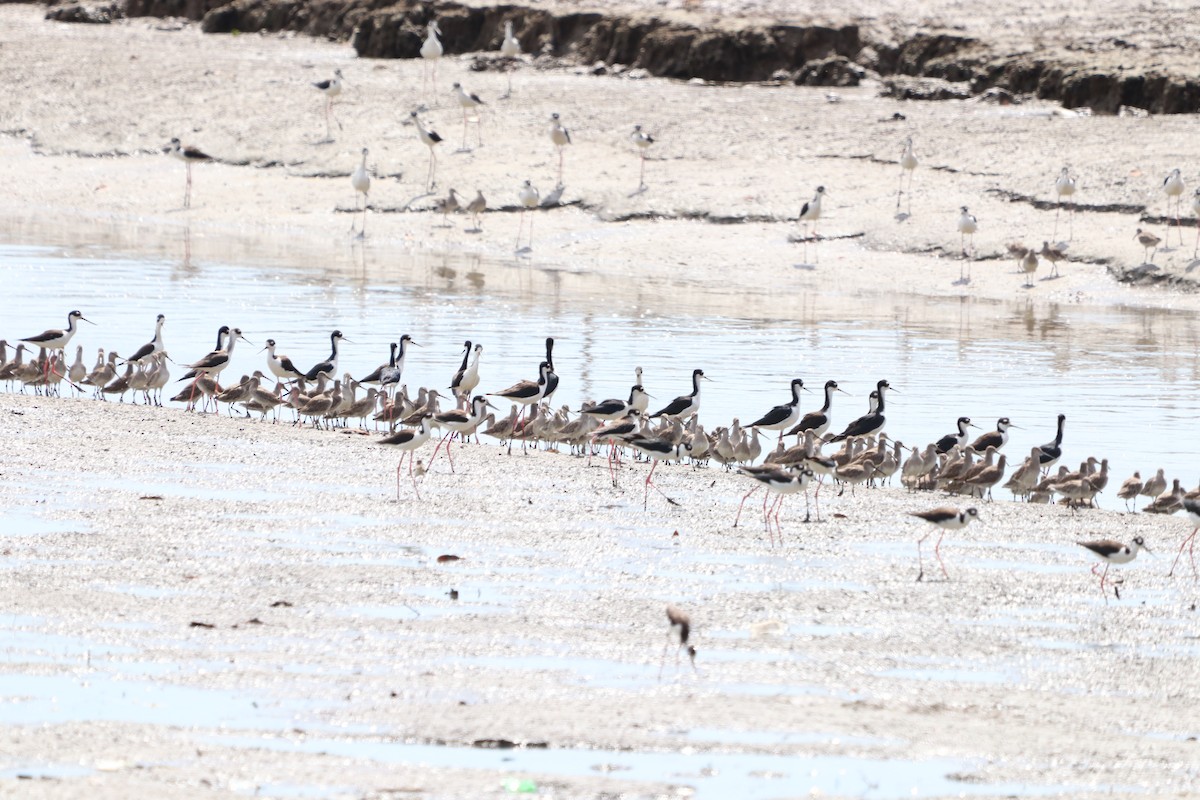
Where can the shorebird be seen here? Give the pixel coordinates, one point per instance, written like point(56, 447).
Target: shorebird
point(526, 393)
point(213, 364)
point(469, 102)
point(818, 421)
point(328, 367)
point(680, 627)
point(391, 374)
point(560, 137)
point(1154, 486)
point(782, 416)
point(467, 377)
point(188, 155)
point(280, 365)
point(1190, 507)
point(430, 139)
point(431, 51)
point(642, 140)
point(1173, 187)
point(1053, 255)
point(616, 408)
point(408, 441)
point(1029, 266)
point(997, 438)
point(476, 208)
point(528, 196)
point(782, 481)
point(1150, 242)
point(1110, 553)
point(873, 421)
point(360, 179)
point(1052, 451)
point(946, 519)
point(1130, 489)
point(55, 339)
point(331, 88)
point(446, 206)
point(1196, 211)
point(685, 405)
point(1064, 187)
point(510, 48)
point(154, 346)
point(462, 421)
point(908, 163)
point(655, 450)
point(951, 440)
point(552, 376)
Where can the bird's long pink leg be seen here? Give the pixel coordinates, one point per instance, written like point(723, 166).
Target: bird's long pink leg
point(937, 551)
point(649, 483)
point(745, 497)
point(416, 491)
point(398, 466)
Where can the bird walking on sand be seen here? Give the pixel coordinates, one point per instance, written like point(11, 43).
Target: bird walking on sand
point(331, 88)
point(1173, 187)
point(188, 155)
point(1064, 187)
point(1191, 507)
point(360, 179)
point(1130, 489)
point(55, 339)
point(431, 52)
point(1053, 255)
point(1148, 241)
point(476, 208)
point(967, 225)
point(469, 102)
point(430, 139)
point(642, 140)
point(1029, 265)
point(908, 163)
point(946, 519)
point(680, 629)
point(510, 48)
point(529, 197)
point(1110, 553)
point(810, 214)
point(446, 206)
point(408, 441)
point(560, 137)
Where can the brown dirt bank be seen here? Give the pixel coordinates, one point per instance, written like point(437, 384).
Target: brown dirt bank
point(1083, 64)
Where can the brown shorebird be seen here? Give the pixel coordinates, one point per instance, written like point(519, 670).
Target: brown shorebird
point(680, 629)
point(1148, 241)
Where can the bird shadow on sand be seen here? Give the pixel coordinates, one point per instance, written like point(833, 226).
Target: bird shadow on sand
point(323, 140)
point(902, 216)
point(805, 266)
point(408, 205)
point(1049, 278)
point(1193, 264)
point(963, 281)
point(640, 190)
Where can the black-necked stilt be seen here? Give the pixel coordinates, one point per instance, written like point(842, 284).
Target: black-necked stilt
point(946, 519)
point(686, 405)
point(944, 444)
point(873, 421)
point(374, 375)
point(430, 139)
point(1149, 242)
point(818, 421)
point(783, 481)
point(331, 88)
point(642, 140)
point(154, 346)
point(467, 377)
point(616, 408)
point(1111, 552)
point(510, 48)
point(280, 365)
point(1173, 187)
point(328, 367)
point(462, 421)
point(552, 376)
point(409, 441)
point(360, 179)
point(431, 52)
point(782, 416)
point(908, 163)
point(656, 450)
point(1064, 187)
point(526, 393)
point(810, 213)
point(679, 630)
point(560, 137)
point(215, 362)
point(1191, 507)
point(476, 208)
point(469, 102)
point(997, 438)
point(188, 155)
point(391, 374)
point(967, 225)
point(528, 195)
point(55, 339)
point(1051, 452)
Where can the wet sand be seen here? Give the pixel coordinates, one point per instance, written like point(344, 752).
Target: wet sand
point(334, 641)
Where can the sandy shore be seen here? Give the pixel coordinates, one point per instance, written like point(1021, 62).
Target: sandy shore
point(334, 644)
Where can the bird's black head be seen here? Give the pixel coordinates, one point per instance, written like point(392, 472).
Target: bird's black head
point(223, 329)
point(964, 420)
point(973, 512)
point(270, 342)
point(161, 318)
point(336, 335)
point(467, 344)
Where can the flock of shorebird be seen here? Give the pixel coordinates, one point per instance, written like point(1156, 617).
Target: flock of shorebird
point(321, 395)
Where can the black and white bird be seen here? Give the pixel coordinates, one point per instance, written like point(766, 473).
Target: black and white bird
point(467, 377)
point(280, 365)
point(328, 367)
point(780, 481)
point(331, 88)
point(560, 137)
point(431, 52)
point(188, 155)
point(615, 408)
point(818, 421)
point(686, 405)
point(529, 198)
point(430, 139)
point(1113, 552)
point(526, 393)
point(945, 519)
point(873, 421)
point(408, 441)
point(1173, 186)
point(642, 140)
point(469, 102)
point(967, 226)
point(510, 48)
point(215, 362)
point(1064, 187)
point(997, 438)
point(782, 416)
point(552, 376)
point(153, 347)
point(55, 339)
point(908, 163)
point(655, 450)
point(391, 374)
point(1191, 507)
point(1051, 452)
point(360, 179)
point(950, 440)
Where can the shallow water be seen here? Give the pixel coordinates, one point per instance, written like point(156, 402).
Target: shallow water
point(1126, 378)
